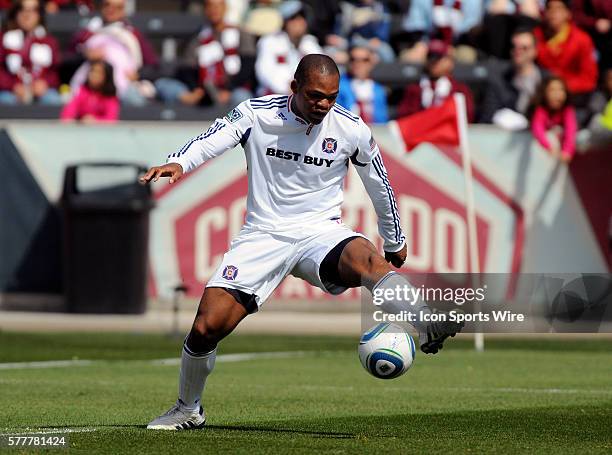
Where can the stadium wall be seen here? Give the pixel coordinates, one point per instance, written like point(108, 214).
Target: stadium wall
point(534, 214)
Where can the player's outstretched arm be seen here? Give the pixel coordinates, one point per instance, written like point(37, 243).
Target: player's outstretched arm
point(172, 170)
point(371, 169)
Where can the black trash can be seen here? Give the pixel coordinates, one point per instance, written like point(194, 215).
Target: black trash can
point(106, 233)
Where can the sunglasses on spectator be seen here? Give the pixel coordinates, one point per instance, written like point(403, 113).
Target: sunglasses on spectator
point(359, 59)
point(521, 48)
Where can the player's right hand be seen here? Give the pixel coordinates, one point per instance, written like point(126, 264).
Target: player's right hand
point(172, 170)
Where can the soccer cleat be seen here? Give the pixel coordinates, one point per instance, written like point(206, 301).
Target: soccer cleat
point(432, 340)
point(179, 418)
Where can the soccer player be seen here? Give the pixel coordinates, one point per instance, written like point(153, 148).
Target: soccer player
point(298, 148)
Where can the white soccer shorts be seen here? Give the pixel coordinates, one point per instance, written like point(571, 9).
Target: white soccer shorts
point(258, 261)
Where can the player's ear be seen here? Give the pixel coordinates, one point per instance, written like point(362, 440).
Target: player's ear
point(294, 86)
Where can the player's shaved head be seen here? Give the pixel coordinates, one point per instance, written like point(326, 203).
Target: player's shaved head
point(314, 65)
point(315, 87)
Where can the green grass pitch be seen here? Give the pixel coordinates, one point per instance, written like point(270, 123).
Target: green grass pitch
point(517, 397)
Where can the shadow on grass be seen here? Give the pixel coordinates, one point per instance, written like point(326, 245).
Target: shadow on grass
point(583, 428)
point(545, 428)
point(295, 431)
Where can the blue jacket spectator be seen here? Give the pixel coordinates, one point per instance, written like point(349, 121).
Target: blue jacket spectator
point(358, 92)
point(443, 19)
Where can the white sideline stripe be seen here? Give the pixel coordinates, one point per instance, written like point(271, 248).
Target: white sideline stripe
point(534, 390)
point(45, 364)
point(242, 357)
point(226, 358)
point(27, 431)
point(456, 389)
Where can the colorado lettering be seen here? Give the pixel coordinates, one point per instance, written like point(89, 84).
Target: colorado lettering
point(286, 155)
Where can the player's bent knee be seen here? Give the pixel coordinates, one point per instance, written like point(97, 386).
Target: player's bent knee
point(375, 264)
point(207, 330)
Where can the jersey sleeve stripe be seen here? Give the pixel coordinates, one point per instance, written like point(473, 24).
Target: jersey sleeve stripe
point(380, 170)
point(270, 106)
point(351, 118)
point(273, 98)
point(256, 102)
point(346, 111)
point(212, 130)
point(396, 211)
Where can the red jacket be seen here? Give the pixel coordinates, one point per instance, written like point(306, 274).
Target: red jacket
point(573, 60)
point(88, 3)
point(36, 54)
point(413, 94)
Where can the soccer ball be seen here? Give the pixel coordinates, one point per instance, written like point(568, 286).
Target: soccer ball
point(386, 351)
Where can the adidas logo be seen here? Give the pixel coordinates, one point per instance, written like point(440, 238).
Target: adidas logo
point(281, 116)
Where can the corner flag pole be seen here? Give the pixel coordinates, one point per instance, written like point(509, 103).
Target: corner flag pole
point(469, 200)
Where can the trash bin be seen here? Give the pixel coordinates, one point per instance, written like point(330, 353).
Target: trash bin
point(106, 232)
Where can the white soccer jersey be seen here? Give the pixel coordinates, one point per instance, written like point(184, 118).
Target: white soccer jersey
point(295, 169)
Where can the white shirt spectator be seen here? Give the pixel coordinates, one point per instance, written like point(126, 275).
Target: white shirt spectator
point(277, 60)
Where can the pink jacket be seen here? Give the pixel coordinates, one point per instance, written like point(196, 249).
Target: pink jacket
point(87, 102)
point(543, 121)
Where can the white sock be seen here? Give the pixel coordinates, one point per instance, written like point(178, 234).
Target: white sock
point(195, 368)
point(388, 286)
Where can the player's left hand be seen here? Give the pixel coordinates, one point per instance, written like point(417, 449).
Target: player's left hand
point(398, 258)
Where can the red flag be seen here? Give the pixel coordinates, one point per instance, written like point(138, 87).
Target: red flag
point(436, 125)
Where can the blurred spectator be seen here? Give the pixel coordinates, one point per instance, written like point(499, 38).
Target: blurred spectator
point(96, 100)
point(554, 120)
point(279, 54)
point(502, 18)
point(324, 18)
point(436, 84)
point(224, 57)
point(595, 17)
point(82, 6)
point(601, 97)
point(606, 117)
point(112, 38)
point(358, 92)
point(567, 51)
point(263, 18)
point(367, 22)
point(446, 20)
point(599, 130)
point(29, 57)
point(509, 94)
point(114, 12)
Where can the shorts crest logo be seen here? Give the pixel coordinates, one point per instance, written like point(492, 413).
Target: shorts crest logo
point(234, 115)
point(329, 145)
point(230, 272)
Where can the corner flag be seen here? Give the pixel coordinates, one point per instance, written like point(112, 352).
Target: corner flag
point(447, 125)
